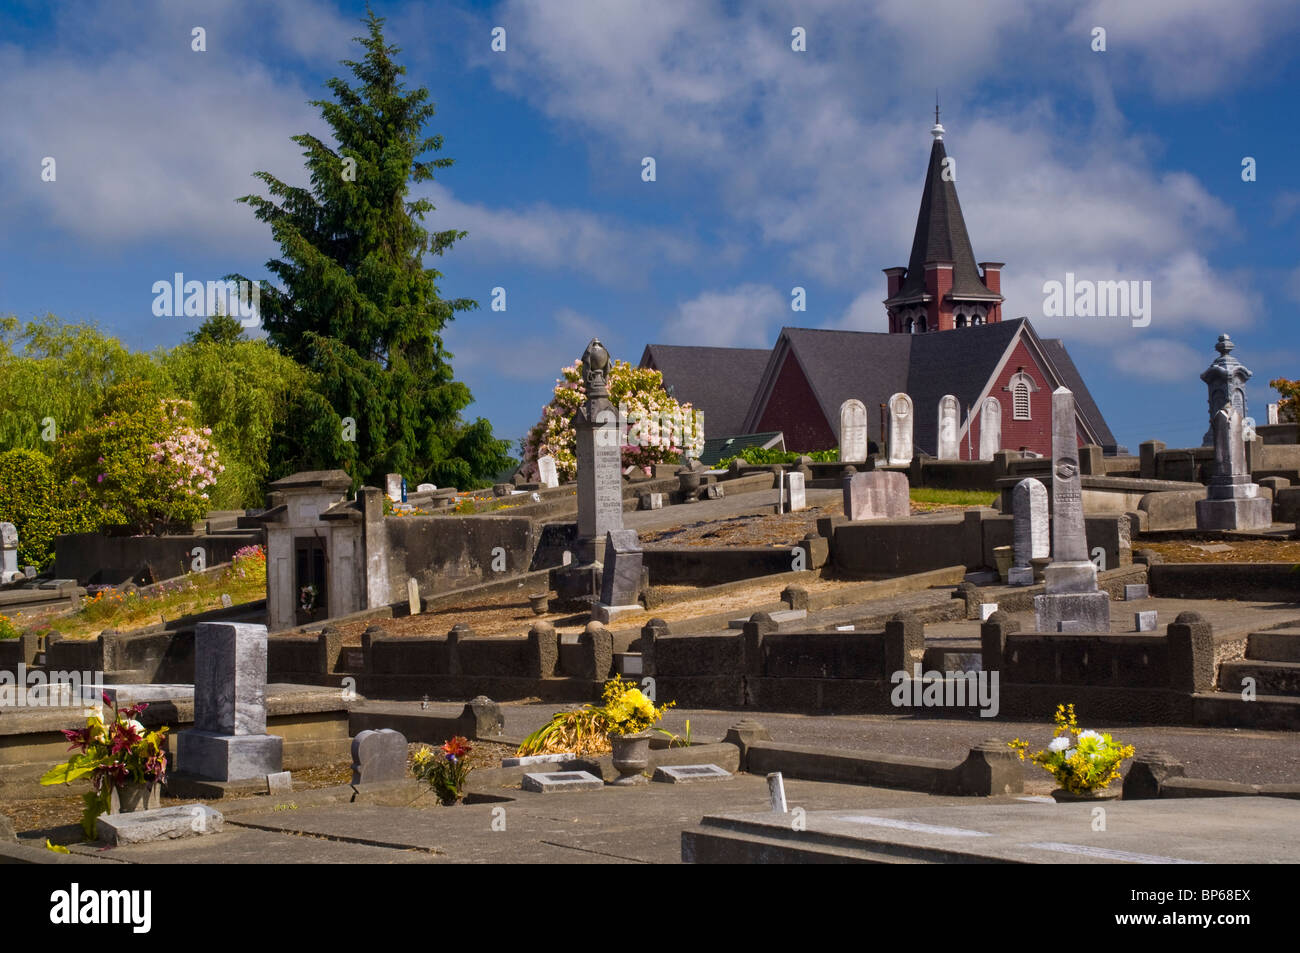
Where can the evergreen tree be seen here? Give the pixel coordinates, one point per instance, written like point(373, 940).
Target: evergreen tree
point(357, 306)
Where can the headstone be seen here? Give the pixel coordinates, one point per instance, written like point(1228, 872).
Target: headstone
point(1226, 379)
point(795, 497)
point(990, 427)
point(558, 782)
point(393, 487)
point(378, 756)
point(949, 423)
point(548, 475)
point(1231, 501)
point(651, 501)
point(621, 578)
point(557, 758)
point(226, 601)
point(413, 596)
point(853, 431)
point(1145, 621)
point(683, 773)
point(1136, 590)
point(776, 793)
point(877, 494)
point(279, 783)
point(229, 741)
point(426, 488)
point(1071, 578)
point(900, 430)
point(1272, 414)
point(8, 552)
point(600, 483)
point(1031, 519)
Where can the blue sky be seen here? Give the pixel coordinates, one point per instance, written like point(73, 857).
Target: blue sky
point(775, 169)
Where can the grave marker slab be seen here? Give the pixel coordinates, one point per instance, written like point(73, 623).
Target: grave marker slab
point(621, 576)
point(558, 782)
point(413, 596)
point(1030, 522)
point(160, 824)
point(900, 430)
point(853, 431)
point(1145, 621)
point(949, 424)
point(378, 756)
point(548, 475)
point(877, 494)
point(281, 782)
point(426, 488)
point(1135, 591)
point(557, 758)
point(795, 496)
point(393, 487)
point(686, 773)
point(9, 553)
point(990, 427)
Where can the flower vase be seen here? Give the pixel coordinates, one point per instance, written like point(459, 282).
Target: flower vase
point(1063, 796)
point(135, 796)
point(631, 757)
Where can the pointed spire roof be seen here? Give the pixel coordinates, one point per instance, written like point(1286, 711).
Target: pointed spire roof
point(941, 235)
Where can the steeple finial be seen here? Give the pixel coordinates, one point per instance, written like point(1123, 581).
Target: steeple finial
point(937, 131)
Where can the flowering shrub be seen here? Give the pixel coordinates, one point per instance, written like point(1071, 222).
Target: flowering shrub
point(1081, 761)
point(7, 629)
point(624, 710)
point(249, 562)
point(141, 460)
point(654, 428)
point(445, 770)
point(113, 754)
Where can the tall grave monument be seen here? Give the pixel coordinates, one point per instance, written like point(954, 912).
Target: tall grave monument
point(949, 424)
point(1226, 379)
point(1231, 501)
point(900, 430)
point(1072, 602)
point(853, 431)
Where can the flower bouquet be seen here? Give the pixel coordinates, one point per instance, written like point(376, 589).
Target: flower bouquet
point(1082, 762)
point(445, 769)
point(114, 754)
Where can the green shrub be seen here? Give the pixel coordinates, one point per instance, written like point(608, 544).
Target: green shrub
point(39, 506)
point(762, 458)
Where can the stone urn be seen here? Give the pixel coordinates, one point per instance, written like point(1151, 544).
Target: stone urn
point(689, 482)
point(631, 757)
point(135, 796)
point(1062, 796)
point(1002, 558)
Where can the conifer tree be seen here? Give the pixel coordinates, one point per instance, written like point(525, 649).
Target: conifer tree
point(356, 303)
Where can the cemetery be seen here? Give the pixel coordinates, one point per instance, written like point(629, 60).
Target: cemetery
point(281, 592)
point(393, 618)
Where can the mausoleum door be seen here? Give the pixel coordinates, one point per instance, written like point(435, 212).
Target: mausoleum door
point(310, 586)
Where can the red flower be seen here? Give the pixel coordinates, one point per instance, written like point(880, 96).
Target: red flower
point(125, 738)
point(458, 747)
point(79, 739)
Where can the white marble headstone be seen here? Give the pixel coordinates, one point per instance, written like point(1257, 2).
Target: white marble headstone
point(547, 474)
point(990, 427)
point(949, 424)
point(853, 431)
point(900, 430)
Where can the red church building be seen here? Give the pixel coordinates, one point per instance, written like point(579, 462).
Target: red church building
point(946, 335)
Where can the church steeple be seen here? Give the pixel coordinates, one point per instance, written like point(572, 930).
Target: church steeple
point(942, 287)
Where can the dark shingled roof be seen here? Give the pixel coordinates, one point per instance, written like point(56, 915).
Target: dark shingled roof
point(1083, 402)
point(958, 362)
point(941, 236)
point(720, 381)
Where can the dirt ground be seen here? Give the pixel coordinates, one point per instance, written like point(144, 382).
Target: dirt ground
point(1220, 551)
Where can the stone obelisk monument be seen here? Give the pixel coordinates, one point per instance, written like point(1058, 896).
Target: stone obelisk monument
point(1072, 602)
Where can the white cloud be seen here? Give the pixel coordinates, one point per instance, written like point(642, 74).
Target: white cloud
point(520, 349)
point(745, 316)
point(1161, 359)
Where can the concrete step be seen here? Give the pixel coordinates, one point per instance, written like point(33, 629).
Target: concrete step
point(1230, 710)
point(711, 843)
point(1276, 645)
point(1271, 678)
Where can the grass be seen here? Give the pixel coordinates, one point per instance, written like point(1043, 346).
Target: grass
point(244, 581)
point(925, 495)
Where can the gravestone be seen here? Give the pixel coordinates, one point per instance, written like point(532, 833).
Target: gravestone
point(621, 578)
point(1145, 621)
point(1072, 602)
point(558, 782)
point(600, 482)
point(1136, 590)
point(650, 501)
point(393, 487)
point(413, 596)
point(900, 430)
point(949, 423)
point(378, 756)
point(229, 741)
point(685, 773)
point(547, 473)
point(877, 494)
point(1226, 379)
point(1272, 414)
point(796, 498)
point(9, 553)
point(426, 488)
point(1231, 501)
point(1029, 509)
point(853, 431)
point(990, 427)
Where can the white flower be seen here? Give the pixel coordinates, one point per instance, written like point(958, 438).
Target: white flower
point(1089, 734)
point(1059, 744)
